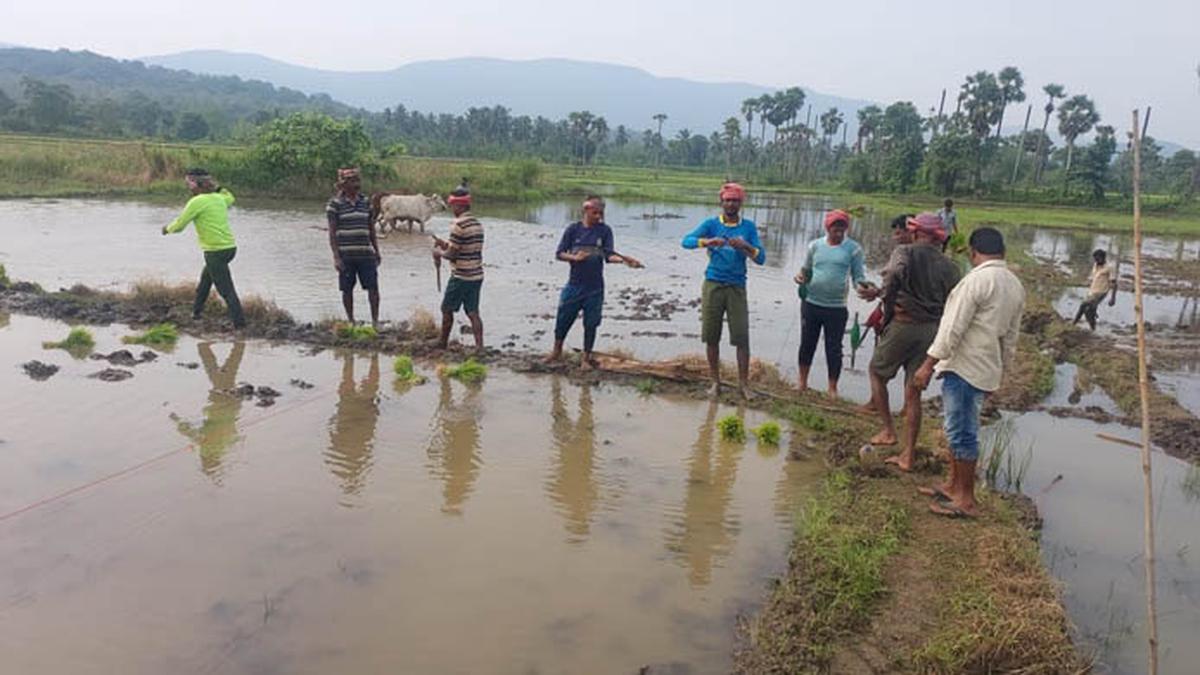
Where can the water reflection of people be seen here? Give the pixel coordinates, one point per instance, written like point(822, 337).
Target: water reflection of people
point(704, 530)
point(352, 427)
point(218, 432)
point(454, 445)
point(572, 483)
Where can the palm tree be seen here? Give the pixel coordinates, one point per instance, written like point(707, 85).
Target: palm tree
point(732, 132)
point(749, 107)
point(764, 104)
point(831, 121)
point(660, 118)
point(868, 122)
point(1053, 91)
point(1011, 91)
point(1076, 116)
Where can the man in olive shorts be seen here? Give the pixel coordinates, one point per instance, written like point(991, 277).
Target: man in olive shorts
point(730, 240)
point(916, 282)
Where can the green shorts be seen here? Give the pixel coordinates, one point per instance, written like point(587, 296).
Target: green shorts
point(902, 344)
point(718, 301)
point(462, 293)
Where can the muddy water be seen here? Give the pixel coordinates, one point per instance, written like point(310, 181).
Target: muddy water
point(1092, 539)
point(525, 525)
point(283, 255)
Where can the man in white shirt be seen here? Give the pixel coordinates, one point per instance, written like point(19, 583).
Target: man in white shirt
point(1103, 280)
point(975, 344)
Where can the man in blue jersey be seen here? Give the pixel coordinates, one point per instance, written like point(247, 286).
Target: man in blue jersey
point(588, 246)
point(729, 241)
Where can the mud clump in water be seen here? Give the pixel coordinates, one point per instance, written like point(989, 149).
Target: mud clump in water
point(36, 370)
point(190, 365)
point(111, 375)
point(125, 358)
point(266, 395)
point(301, 384)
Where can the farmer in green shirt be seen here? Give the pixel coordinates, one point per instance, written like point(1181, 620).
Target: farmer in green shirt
point(209, 210)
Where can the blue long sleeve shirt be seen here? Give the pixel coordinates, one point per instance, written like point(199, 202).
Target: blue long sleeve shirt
point(826, 268)
point(726, 265)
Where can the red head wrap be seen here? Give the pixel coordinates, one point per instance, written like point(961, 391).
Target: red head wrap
point(464, 199)
point(837, 216)
point(733, 191)
point(348, 172)
point(928, 223)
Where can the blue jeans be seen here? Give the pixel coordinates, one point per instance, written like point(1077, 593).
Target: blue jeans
point(961, 403)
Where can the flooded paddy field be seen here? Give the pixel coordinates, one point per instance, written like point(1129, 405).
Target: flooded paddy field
point(164, 524)
point(550, 526)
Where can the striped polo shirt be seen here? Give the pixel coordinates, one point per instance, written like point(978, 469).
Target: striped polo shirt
point(351, 221)
point(466, 234)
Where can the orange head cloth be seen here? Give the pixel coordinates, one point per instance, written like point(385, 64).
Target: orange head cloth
point(733, 191)
point(928, 223)
point(837, 216)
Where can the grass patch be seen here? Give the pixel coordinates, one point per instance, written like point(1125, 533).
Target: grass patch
point(4, 282)
point(160, 335)
point(844, 538)
point(1002, 613)
point(355, 332)
point(405, 372)
point(646, 386)
point(768, 433)
point(799, 415)
point(1002, 468)
point(732, 428)
point(469, 371)
point(78, 343)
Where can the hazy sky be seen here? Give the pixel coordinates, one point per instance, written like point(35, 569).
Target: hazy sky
point(1123, 54)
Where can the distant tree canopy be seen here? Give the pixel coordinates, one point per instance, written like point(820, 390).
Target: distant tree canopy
point(895, 148)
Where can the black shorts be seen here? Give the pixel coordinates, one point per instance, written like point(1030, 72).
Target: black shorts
point(363, 269)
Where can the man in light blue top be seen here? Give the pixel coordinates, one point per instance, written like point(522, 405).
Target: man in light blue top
point(729, 240)
point(823, 286)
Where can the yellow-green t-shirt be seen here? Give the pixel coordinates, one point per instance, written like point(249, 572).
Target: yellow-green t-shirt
point(210, 212)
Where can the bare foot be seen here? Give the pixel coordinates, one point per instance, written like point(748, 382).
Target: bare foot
point(939, 492)
point(586, 365)
point(867, 408)
point(714, 390)
point(884, 437)
point(833, 393)
point(902, 462)
point(802, 387)
point(552, 358)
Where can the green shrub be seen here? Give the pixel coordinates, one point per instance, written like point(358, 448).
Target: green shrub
point(768, 433)
point(646, 386)
point(161, 335)
point(732, 428)
point(469, 371)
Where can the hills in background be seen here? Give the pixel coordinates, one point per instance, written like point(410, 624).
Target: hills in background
point(99, 77)
point(548, 87)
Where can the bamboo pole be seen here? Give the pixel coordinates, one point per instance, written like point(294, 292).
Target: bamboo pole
point(1144, 390)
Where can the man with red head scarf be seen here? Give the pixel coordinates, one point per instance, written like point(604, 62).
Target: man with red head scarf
point(916, 283)
point(730, 240)
point(352, 239)
point(464, 250)
point(830, 261)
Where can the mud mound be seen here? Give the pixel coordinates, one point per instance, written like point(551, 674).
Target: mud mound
point(125, 358)
point(111, 375)
point(36, 370)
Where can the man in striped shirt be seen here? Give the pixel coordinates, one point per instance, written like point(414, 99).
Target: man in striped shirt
point(464, 250)
point(352, 240)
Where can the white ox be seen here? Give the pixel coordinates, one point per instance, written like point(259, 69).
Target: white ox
point(408, 208)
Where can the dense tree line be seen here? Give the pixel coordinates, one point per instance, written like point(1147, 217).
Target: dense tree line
point(771, 138)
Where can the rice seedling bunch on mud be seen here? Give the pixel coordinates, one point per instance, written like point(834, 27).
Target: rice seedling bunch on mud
point(646, 386)
point(78, 343)
point(354, 332)
point(160, 335)
point(732, 428)
point(469, 371)
point(768, 433)
point(405, 373)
